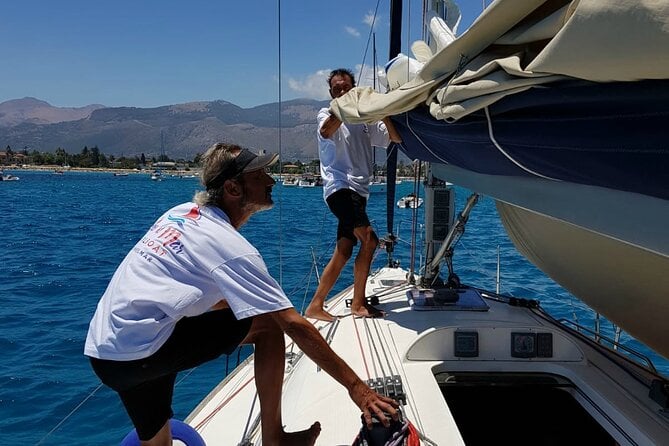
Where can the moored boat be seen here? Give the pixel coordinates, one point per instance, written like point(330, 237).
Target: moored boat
point(156, 175)
point(8, 177)
point(289, 181)
point(378, 186)
point(310, 181)
point(410, 201)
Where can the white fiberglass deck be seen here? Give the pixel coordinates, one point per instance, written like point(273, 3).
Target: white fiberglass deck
point(416, 345)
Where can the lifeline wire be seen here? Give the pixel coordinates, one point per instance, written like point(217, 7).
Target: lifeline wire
point(70, 414)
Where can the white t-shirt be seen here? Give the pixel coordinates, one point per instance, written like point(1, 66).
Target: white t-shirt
point(347, 158)
point(190, 259)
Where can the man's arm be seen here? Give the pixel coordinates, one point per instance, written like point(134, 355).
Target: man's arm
point(314, 346)
point(330, 126)
point(392, 131)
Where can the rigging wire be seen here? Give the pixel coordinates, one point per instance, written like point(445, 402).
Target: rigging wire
point(280, 147)
point(369, 38)
point(314, 267)
point(408, 34)
point(414, 218)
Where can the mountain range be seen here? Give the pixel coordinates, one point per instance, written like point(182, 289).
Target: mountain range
point(187, 129)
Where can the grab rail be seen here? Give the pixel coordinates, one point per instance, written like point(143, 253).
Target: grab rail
point(598, 337)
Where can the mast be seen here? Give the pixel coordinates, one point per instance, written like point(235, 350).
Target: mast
point(391, 151)
point(374, 61)
point(162, 146)
point(395, 28)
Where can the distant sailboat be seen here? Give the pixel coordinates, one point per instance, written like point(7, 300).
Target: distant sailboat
point(157, 174)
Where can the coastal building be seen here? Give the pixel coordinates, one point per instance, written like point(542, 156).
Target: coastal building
point(8, 158)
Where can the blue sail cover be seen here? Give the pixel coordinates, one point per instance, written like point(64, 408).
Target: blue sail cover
point(613, 135)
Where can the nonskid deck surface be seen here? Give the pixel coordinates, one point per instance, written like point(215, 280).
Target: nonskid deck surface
point(400, 353)
point(310, 394)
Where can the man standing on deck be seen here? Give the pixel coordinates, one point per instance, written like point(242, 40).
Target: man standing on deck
point(193, 288)
point(346, 156)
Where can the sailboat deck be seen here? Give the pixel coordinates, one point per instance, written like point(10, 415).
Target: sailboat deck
point(414, 346)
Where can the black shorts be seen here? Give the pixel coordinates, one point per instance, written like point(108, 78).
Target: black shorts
point(146, 385)
point(350, 209)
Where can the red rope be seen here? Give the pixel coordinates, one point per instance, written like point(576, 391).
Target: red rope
point(220, 406)
point(228, 399)
point(413, 439)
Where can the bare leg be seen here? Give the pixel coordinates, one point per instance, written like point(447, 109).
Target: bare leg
point(363, 263)
point(269, 368)
point(331, 273)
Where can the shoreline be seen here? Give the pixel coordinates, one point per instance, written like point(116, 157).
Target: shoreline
point(166, 173)
point(54, 168)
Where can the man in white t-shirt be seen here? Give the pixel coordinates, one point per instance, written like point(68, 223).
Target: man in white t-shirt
point(193, 288)
point(346, 157)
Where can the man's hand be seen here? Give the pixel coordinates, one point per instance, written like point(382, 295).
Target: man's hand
point(330, 126)
point(314, 346)
point(371, 402)
point(393, 134)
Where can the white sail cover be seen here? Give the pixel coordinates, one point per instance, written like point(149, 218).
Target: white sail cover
point(517, 44)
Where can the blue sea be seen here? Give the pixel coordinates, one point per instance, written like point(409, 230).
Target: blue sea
point(63, 236)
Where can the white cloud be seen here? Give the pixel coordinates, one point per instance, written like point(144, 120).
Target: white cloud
point(369, 19)
point(366, 78)
point(314, 86)
point(352, 31)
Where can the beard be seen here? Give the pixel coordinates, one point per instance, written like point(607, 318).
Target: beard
point(252, 206)
point(256, 207)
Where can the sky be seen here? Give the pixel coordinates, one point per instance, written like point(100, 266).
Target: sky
point(149, 53)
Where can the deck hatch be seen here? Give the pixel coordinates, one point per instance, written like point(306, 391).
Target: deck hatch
point(426, 299)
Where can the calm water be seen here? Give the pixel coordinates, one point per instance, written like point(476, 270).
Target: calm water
point(63, 236)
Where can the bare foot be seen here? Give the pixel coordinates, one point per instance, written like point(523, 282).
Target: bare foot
point(320, 314)
point(306, 437)
point(366, 310)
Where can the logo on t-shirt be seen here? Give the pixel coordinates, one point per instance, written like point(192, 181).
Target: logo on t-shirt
point(192, 215)
point(163, 236)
